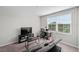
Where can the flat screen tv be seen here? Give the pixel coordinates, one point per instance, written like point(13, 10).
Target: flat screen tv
point(26, 30)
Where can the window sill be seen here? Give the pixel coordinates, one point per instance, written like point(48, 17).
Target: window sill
point(61, 33)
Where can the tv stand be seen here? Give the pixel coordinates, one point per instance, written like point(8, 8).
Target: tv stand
point(21, 38)
point(24, 38)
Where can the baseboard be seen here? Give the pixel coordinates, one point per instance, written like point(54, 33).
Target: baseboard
point(69, 44)
point(7, 44)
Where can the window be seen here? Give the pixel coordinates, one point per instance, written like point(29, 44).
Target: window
point(52, 23)
point(52, 26)
point(64, 28)
point(59, 23)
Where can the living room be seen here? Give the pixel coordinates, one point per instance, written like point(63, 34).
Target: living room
point(13, 18)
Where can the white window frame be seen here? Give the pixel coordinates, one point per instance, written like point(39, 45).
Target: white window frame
point(57, 27)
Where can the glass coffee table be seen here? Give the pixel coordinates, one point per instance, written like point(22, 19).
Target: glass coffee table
point(31, 39)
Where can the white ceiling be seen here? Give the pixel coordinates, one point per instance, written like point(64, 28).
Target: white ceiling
point(44, 10)
point(31, 10)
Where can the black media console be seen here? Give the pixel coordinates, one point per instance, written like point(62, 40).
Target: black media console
point(25, 31)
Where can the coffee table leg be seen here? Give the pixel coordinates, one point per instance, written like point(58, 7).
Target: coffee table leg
point(27, 46)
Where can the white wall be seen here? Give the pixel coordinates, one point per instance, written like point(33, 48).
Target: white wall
point(11, 21)
point(71, 39)
point(78, 27)
point(43, 21)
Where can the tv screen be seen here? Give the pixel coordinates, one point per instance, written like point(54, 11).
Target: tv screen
point(26, 30)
